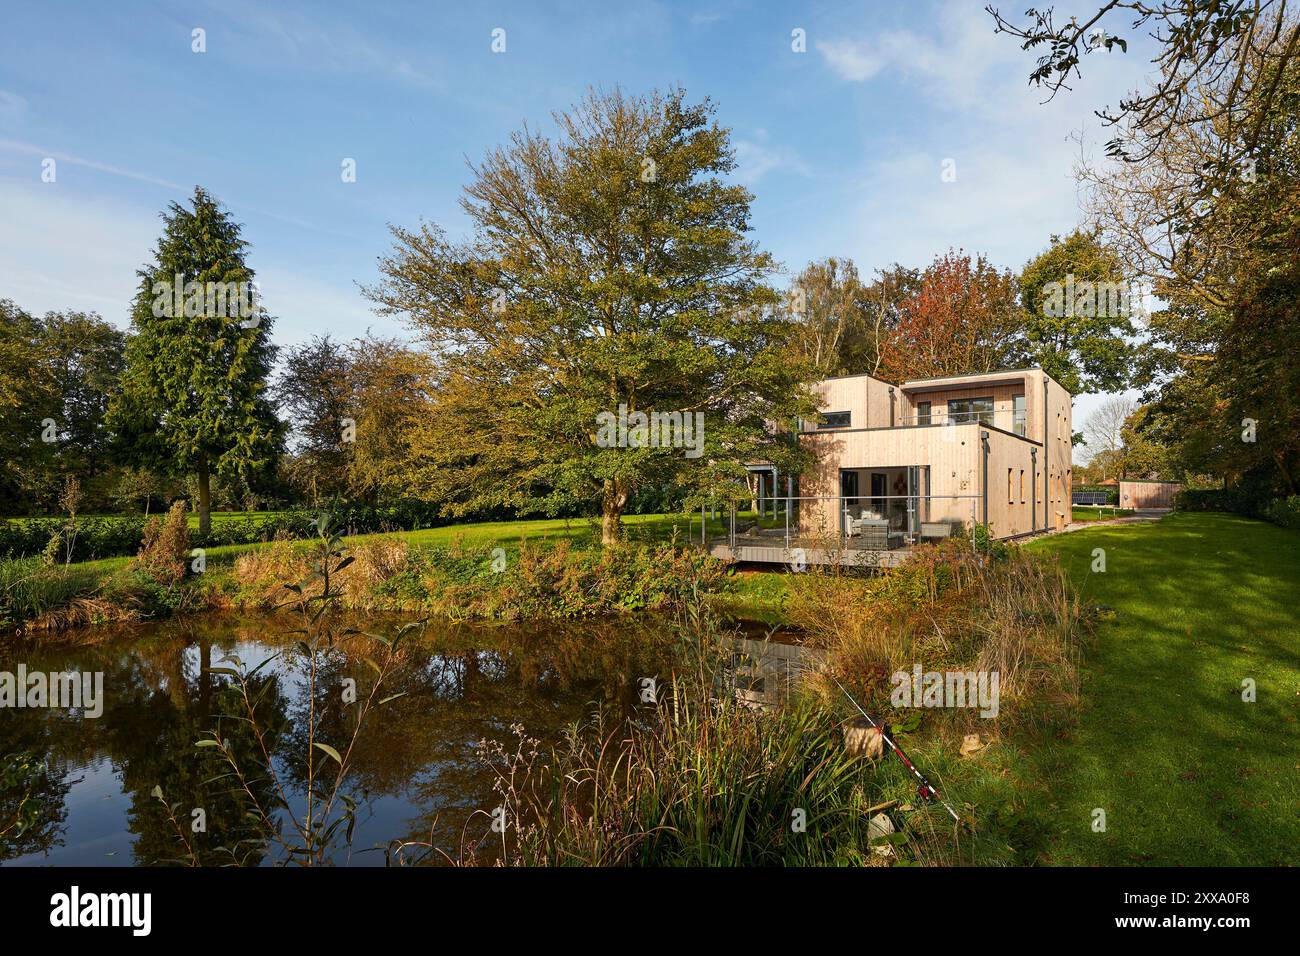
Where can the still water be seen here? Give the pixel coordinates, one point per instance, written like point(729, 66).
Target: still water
point(417, 758)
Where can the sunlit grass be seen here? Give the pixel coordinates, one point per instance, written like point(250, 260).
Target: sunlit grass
point(1186, 771)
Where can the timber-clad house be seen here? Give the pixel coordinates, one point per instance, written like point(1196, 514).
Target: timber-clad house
point(899, 463)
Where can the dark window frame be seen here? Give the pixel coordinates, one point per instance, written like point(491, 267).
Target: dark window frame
point(969, 414)
point(847, 422)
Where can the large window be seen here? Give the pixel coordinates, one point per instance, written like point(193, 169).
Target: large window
point(1018, 414)
point(971, 409)
point(923, 413)
point(835, 420)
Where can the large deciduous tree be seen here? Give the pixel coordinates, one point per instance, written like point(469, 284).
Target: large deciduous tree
point(26, 401)
point(609, 271)
point(57, 374)
point(1079, 310)
point(962, 317)
point(1202, 202)
point(843, 322)
point(194, 392)
point(315, 390)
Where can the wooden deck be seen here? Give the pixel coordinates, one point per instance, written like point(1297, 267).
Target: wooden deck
point(777, 553)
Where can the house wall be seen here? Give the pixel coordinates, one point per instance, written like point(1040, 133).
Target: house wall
point(1059, 445)
point(950, 451)
point(867, 399)
point(1012, 510)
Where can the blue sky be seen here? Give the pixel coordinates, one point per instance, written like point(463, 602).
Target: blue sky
point(843, 145)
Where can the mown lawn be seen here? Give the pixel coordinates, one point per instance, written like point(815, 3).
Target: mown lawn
point(1185, 770)
point(582, 532)
point(1092, 513)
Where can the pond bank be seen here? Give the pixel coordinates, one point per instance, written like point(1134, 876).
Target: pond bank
point(550, 581)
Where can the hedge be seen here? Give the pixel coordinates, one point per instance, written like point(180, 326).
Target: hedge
point(1280, 511)
point(110, 537)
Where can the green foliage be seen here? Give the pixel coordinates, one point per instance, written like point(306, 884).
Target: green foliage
point(56, 376)
point(193, 398)
point(1082, 350)
point(1244, 500)
point(609, 266)
point(97, 537)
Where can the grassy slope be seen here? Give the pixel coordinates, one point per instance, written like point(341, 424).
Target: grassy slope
point(1186, 771)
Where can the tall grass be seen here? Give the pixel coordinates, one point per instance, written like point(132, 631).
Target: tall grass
point(696, 778)
point(40, 597)
point(950, 609)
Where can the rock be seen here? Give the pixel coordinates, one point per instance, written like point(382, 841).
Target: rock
point(863, 740)
point(877, 827)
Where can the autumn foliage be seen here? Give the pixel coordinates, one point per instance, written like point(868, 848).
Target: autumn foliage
point(963, 317)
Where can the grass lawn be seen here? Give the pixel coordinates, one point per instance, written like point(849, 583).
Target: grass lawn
point(1186, 772)
point(1104, 513)
point(583, 532)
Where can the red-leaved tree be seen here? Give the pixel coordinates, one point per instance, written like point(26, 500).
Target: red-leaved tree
point(963, 317)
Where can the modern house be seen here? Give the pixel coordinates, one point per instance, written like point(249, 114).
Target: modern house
point(897, 464)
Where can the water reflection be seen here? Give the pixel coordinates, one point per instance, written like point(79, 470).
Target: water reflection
point(416, 758)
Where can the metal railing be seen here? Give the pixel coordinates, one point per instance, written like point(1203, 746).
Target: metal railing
point(850, 523)
point(1007, 421)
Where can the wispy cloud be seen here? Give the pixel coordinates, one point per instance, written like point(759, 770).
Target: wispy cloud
point(756, 157)
point(312, 42)
point(960, 64)
point(33, 150)
point(11, 105)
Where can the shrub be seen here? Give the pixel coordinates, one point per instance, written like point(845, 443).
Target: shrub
point(1284, 512)
point(165, 547)
point(1244, 501)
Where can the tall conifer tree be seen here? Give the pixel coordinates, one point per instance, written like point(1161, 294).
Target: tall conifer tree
point(194, 394)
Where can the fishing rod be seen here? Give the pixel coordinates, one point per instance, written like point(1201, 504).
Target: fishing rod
point(925, 788)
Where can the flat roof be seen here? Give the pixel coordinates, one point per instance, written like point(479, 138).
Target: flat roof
point(935, 381)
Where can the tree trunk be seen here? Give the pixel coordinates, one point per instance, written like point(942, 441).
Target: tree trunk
point(1280, 459)
point(612, 505)
point(205, 496)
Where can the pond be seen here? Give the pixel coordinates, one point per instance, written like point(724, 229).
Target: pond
point(417, 758)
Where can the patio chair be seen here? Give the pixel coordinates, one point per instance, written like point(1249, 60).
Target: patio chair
point(870, 533)
point(935, 529)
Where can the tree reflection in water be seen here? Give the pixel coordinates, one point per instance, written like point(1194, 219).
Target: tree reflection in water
point(416, 758)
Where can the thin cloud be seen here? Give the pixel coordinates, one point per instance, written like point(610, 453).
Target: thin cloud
point(755, 158)
point(33, 150)
point(11, 104)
